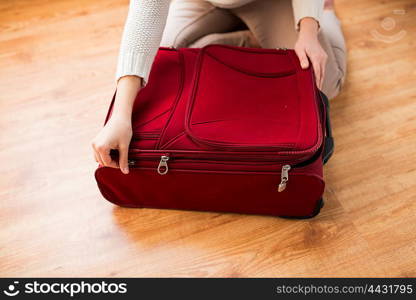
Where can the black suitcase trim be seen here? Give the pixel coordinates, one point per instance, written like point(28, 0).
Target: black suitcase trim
point(329, 139)
point(315, 212)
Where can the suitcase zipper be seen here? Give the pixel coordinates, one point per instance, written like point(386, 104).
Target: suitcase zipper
point(284, 178)
point(163, 168)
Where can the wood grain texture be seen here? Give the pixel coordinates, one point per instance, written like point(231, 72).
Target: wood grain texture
point(57, 65)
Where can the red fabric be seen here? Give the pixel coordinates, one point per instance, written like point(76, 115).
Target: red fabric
point(228, 118)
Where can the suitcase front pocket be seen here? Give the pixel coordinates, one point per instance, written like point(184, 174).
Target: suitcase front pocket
point(237, 105)
point(243, 192)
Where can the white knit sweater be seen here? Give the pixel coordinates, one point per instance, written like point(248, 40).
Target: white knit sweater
point(146, 21)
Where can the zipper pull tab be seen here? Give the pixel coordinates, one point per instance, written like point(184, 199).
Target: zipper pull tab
point(284, 178)
point(162, 168)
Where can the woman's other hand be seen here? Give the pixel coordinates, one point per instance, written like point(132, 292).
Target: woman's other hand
point(117, 133)
point(308, 46)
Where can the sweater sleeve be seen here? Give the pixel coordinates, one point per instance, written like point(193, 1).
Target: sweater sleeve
point(307, 8)
point(141, 37)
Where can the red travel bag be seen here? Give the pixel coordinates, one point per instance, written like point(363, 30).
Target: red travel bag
point(227, 129)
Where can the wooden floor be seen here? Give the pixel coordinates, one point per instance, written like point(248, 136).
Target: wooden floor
point(57, 64)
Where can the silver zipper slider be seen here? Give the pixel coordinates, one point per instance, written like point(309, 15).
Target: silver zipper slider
point(284, 178)
point(131, 162)
point(162, 168)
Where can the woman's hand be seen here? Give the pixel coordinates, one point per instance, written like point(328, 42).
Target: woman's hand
point(117, 133)
point(308, 46)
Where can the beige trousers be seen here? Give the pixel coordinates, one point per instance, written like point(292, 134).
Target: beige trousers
point(261, 23)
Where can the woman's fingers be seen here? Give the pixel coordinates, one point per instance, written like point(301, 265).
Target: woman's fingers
point(303, 58)
point(103, 155)
point(97, 159)
point(323, 67)
point(108, 161)
point(123, 159)
point(96, 154)
point(318, 74)
point(313, 52)
point(317, 63)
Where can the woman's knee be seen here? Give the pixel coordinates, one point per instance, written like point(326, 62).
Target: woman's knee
point(242, 38)
point(190, 20)
point(333, 83)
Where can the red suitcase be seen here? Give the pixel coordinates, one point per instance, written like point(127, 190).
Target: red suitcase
point(227, 129)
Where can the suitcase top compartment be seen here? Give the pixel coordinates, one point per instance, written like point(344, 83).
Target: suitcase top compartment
point(253, 99)
point(225, 100)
